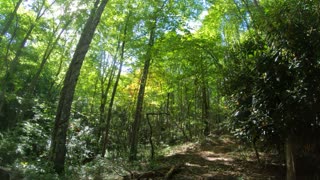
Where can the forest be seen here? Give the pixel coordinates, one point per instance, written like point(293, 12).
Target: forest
point(159, 89)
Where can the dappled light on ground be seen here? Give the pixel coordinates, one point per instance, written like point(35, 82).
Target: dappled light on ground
point(219, 158)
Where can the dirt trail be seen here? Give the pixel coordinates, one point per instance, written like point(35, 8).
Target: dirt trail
point(219, 157)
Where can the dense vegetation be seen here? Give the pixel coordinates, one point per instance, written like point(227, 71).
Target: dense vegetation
point(121, 80)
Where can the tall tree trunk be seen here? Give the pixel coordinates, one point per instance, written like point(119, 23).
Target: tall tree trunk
point(143, 81)
point(139, 107)
point(150, 138)
point(10, 19)
point(107, 71)
point(92, 103)
point(289, 148)
point(3, 81)
point(59, 135)
point(109, 115)
point(15, 61)
point(218, 111)
point(52, 83)
point(104, 96)
point(205, 109)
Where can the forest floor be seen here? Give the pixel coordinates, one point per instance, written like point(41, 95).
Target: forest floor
point(216, 157)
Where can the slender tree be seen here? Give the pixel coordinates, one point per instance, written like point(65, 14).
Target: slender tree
point(59, 135)
point(12, 67)
point(108, 74)
point(143, 82)
point(9, 20)
point(18, 53)
point(114, 91)
point(50, 47)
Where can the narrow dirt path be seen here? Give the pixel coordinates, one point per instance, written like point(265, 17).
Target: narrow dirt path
point(219, 157)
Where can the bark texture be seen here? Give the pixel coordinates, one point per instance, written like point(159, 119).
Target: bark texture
point(139, 107)
point(59, 135)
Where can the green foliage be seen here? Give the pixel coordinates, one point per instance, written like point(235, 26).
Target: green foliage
point(252, 66)
point(36, 170)
point(271, 78)
point(29, 139)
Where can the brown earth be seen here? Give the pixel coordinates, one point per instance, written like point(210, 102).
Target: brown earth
point(216, 157)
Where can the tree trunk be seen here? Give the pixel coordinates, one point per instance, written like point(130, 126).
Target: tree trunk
point(255, 148)
point(9, 21)
point(59, 135)
point(139, 107)
point(104, 96)
point(109, 115)
point(45, 58)
point(289, 147)
point(143, 81)
point(62, 56)
point(205, 109)
point(3, 81)
point(15, 62)
point(150, 138)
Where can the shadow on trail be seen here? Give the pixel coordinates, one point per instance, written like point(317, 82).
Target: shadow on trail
point(220, 158)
